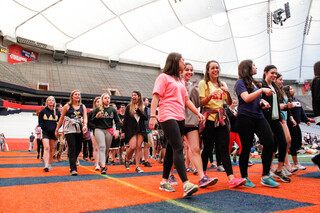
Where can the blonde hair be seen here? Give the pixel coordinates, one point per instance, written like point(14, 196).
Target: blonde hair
point(101, 98)
point(54, 105)
point(71, 100)
point(94, 103)
point(132, 108)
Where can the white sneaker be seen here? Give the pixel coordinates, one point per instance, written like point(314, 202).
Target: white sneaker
point(97, 168)
point(286, 172)
point(78, 162)
point(299, 167)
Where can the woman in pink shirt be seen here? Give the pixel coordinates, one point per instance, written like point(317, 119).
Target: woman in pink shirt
point(174, 98)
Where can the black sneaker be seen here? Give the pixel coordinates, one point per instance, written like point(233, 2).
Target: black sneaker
point(104, 170)
point(38, 156)
point(282, 177)
point(147, 164)
point(112, 163)
point(92, 159)
point(85, 159)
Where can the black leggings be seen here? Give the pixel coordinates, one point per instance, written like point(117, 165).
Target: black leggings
point(74, 141)
point(173, 130)
point(40, 147)
point(247, 126)
point(218, 137)
point(279, 139)
point(296, 138)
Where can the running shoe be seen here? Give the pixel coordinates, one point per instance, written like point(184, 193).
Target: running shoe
point(235, 182)
point(269, 181)
point(286, 172)
point(282, 177)
point(250, 163)
point(78, 162)
point(220, 169)
point(172, 180)
point(46, 168)
point(127, 165)
point(291, 169)
point(316, 162)
point(147, 164)
point(195, 171)
point(85, 159)
point(104, 170)
point(50, 167)
point(74, 173)
point(249, 184)
point(97, 168)
point(92, 159)
point(189, 189)
point(113, 163)
point(138, 170)
point(165, 186)
point(207, 181)
point(298, 166)
point(189, 170)
point(214, 166)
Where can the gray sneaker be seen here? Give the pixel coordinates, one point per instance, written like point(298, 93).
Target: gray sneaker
point(189, 189)
point(220, 169)
point(166, 187)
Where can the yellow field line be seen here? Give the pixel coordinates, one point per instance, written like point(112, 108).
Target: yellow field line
point(167, 199)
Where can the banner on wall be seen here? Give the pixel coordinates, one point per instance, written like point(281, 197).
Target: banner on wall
point(19, 54)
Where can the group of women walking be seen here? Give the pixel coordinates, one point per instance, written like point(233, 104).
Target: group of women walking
point(263, 110)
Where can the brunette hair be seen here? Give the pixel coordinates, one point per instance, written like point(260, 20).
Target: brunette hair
point(172, 65)
point(286, 90)
point(267, 69)
point(316, 70)
point(281, 92)
point(245, 73)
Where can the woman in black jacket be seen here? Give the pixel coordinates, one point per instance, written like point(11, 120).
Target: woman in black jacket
point(273, 116)
point(134, 128)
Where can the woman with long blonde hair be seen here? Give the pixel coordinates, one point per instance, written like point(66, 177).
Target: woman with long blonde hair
point(103, 118)
point(48, 118)
point(74, 116)
point(134, 128)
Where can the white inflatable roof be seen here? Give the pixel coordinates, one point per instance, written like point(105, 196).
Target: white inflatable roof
point(201, 30)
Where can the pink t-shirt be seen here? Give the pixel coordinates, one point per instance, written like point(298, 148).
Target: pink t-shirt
point(172, 98)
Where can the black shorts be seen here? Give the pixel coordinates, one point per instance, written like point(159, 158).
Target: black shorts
point(115, 144)
point(190, 129)
point(47, 136)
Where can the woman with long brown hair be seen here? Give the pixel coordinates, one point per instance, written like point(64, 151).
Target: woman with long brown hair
point(213, 93)
point(174, 97)
point(134, 128)
point(74, 116)
point(250, 121)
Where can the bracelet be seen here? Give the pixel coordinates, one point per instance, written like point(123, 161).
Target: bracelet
point(153, 116)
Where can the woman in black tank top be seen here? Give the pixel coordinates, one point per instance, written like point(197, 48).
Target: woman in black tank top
point(74, 116)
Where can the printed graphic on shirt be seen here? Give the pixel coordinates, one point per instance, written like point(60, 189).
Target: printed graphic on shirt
point(106, 115)
point(50, 118)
